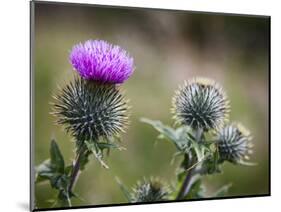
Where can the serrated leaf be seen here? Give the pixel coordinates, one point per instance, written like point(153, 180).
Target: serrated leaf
point(57, 160)
point(165, 130)
point(53, 169)
point(178, 136)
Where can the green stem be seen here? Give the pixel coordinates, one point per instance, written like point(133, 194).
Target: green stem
point(184, 186)
point(187, 183)
point(76, 169)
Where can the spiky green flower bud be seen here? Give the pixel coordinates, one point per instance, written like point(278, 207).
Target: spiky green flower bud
point(90, 110)
point(152, 190)
point(201, 104)
point(234, 143)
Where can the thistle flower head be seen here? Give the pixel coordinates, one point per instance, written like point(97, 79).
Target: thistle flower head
point(90, 110)
point(100, 61)
point(234, 143)
point(201, 104)
point(152, 190)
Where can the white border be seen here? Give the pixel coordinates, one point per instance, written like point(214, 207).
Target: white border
point(14, 87)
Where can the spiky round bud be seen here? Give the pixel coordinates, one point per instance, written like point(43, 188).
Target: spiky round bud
point(234, 143)
point(152, 190)
point(90, 110)
point(201, 104)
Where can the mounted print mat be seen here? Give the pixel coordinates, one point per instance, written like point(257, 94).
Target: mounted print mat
point(139, 105)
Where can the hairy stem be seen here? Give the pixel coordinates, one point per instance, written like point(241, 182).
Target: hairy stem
point(76, 168)
point(191, 159)
point(186, 183)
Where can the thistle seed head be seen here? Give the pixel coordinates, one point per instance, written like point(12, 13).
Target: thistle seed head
point(152, 190)
point(90, 110)
point(201, 104)
point(234, 143)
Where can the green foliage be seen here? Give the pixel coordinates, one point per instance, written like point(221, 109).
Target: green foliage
point(56, 173)
point(51, 167)
point(200, 157)
point(57, 160)
point(201, 108)
point(184, 138)
point(180, 137)
point(95, 114)
point(62, 177)
point(212, 164)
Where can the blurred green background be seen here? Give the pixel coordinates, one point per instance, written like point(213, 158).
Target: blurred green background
point(168, 47)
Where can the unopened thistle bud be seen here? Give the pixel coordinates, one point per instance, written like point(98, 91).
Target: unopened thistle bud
point(234, 143)
point(90, 110)
point(201, 104)
point(152, 190)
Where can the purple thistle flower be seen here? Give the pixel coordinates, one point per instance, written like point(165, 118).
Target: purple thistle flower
point(101, 61)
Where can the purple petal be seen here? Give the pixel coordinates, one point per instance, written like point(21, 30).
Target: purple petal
point(101, 61)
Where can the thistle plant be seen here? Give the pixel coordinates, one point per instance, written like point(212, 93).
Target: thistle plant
point(151, 190)
point(92, 109)
point(204, 137)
